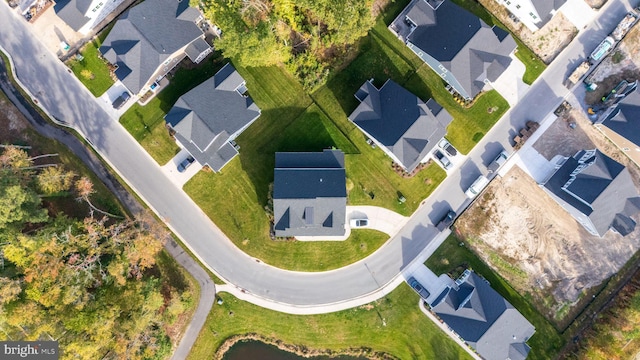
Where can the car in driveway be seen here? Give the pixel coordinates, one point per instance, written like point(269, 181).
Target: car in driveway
point(358, 223)
point(182, 167)
point(119, 102)
point(417, 287)
point(447, 220)
point(446, 163)
point(445, 145)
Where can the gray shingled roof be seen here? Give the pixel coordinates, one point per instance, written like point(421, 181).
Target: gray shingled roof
point(624, 117)
point(196, 48)
point(309, 194)
point(594, 189)
point(73, 12)
point(484, 319)
point(544, 8)
point(210, 115)
point(146, 36)
point(452, 38)
point(406, 126)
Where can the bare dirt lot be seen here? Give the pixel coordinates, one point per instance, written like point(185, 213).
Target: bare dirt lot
point(534, 243)
point(547, 42)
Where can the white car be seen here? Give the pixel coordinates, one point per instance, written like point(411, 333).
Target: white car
point(477, 186)
point(359, 223)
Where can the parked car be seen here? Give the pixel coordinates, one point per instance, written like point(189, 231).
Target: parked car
point(121, 100)
point(359, 223)
point(446, 163)
point(447, 147)
point(498, 161)
point(415, 285)
point(185, 164)
point(447, 220)
point(477, 186)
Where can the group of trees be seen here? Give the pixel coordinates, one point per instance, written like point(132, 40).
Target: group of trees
point(308, 36)
point(83, 282)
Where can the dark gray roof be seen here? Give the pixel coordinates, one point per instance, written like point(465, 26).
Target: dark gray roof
point(146, 36)
point(624, 117)
point(594, 188)
point(453, 38)
point(196, 48)
point(484, 319)
point(400, 121)
point(73, 12)
point(210, 115)
point(309, 194)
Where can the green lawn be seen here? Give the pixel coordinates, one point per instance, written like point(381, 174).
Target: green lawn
point(93, 71)
point(146, 123)
point(451, 258)
point(408, 333)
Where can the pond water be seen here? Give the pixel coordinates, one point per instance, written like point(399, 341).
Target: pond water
point(249, 350)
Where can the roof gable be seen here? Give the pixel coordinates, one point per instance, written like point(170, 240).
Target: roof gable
point(400, 121)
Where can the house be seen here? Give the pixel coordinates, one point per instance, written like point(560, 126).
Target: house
point(621, 121)
point(83, 15)
point(401, 124)
point(150, 39)
point(597, 191)
point(208, 118)
point(483, 318)
point(534, 14)
point(309, 194)
point(456, 44)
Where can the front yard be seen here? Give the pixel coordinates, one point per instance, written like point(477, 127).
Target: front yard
point(93, 71)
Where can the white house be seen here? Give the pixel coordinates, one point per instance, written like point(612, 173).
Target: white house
point(534, 14)
point(83, 15)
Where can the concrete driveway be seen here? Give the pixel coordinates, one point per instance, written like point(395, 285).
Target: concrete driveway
point(51, 30)
point(510, 84)
point(381, 219)
point(106, 100)
point(579, 13)
point(180, 178)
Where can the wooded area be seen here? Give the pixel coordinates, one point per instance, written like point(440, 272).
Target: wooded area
point(308, 36)
point(92, 284)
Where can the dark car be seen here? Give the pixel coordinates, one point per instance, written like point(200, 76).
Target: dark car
point(447, 147)
point(121, 100)
point(185, 163)
point(447, 220)
point(446, 163)
point(415, 285)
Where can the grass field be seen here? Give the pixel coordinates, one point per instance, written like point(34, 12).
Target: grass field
point(408, 333)
point(452, 258)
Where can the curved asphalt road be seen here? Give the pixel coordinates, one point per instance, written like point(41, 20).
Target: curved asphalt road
point(66, 99)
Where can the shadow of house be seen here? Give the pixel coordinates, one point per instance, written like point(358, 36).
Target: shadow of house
point(597, 191)
point(483, 318)
point(83, 15)
point(309, 194)
point(461, 48)
point(620, 123)
point(209, 117)
point(150, 39)
point(401, 124)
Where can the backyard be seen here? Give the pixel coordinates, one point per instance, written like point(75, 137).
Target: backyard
point(453, 256)
point(407, 333)
point(93, 71)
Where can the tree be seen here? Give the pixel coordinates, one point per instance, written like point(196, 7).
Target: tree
point(55, 179)
point(19, 206)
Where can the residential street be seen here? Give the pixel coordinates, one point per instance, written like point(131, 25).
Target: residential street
point(48, 80)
